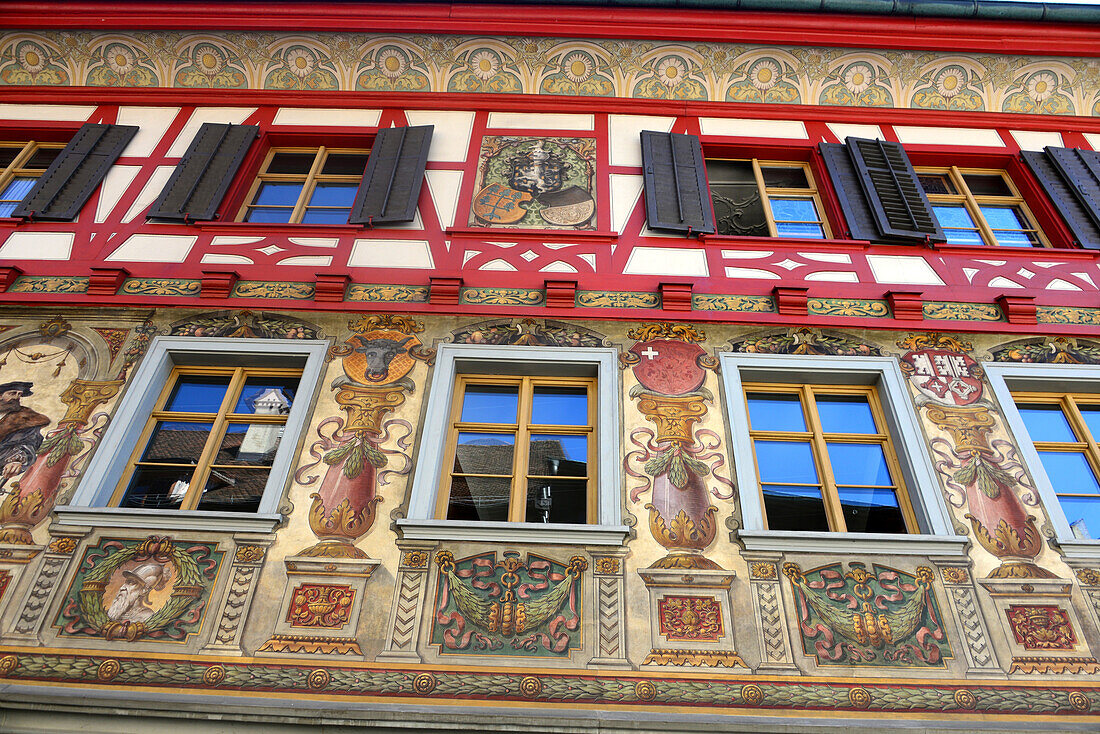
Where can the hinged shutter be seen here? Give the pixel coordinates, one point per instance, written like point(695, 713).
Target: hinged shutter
point(395, 170)
point(72, 177)
point(846, 183)
point(1071, 178)
point(894, 194)
point(205, 172)
point(677, 197)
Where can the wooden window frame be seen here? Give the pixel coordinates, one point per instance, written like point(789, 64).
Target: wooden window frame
point(16, 168)
point(219, 422)
point(1068, 402)
point(522, 429)
point(308, 180)
point(972, 203)
point(818, 439)
point(813, 191)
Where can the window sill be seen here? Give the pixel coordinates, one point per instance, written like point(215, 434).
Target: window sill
point(1083, 550)
point(120, 517)
point(513, 532)
point(886, 544)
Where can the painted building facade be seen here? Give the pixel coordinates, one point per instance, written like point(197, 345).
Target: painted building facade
point(411, 367)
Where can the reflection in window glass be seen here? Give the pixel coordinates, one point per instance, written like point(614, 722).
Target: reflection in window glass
point(315, 186)
point(758, 199)
point(979, 208)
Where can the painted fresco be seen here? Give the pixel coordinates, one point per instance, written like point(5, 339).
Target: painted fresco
point(624, 68)
point(535, 183)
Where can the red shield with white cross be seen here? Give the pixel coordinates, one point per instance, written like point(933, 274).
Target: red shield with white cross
point(943, 376)
point(668, 367)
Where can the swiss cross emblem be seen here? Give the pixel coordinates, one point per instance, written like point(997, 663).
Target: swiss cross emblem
point(944, 376)
point(668, 366)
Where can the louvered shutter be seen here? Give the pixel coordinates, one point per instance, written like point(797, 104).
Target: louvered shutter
point(894, 194)
point(66, 185)
point(1071, 178)
point(677, 197)
point(846, 183)
point(395, 171)
point(204, 173)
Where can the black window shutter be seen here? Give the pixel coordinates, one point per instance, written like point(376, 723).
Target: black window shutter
point(894, 194)
point(846, 183)
point(65, 186)
point(1071, 178)
point(395, 171)
point(204, 173)
point(677, 197)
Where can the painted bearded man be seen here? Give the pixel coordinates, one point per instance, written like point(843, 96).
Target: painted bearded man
point(20, 429)
point(131, 602)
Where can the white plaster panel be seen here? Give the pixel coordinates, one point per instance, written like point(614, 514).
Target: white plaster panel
point(1035, 140)
point(153, 248)
point(827, 257)
point(844, 129)
point(114, 185)
point(625, 132)
point(626, 189)
point(1002, 282)
point(230, 115)
point(444, 187)
point(558, 267)
point(981, 137)
point(149, 192)
point(1060, 285)
point(743, 128)
point(234, 240)
point(391, 254)
point(152, 123)
point(541, 121)
point(220, 258)
point(451, 137)
point(1093, 140)
point(315, 241)
point(315, 261)
point(38, 246)
point(833, 276)
point(745, 254)
point(666, 261)
point(902, 270)
point(498, 264)
point(51, 112)
point(327, 117)
point(750, 273)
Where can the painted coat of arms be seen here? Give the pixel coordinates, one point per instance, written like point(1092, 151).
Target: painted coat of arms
point(153, 589)
point(486, 606)
point(535, 183)
point(881, 617)
point(944, 376)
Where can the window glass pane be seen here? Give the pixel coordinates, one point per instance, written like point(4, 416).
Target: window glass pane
point(42, 158)
point(484, 453)
point(278, 194)
point(738, 209)
point(325, 216)
point(730, 172)
point(1069, 472)
point(252, 444)
point(565, 456)
point(1083, 515)
point(557, 500)
point(798, 229)
point(266, 395)
point(197, 394)
point(345, 164)
point(479, 499)
point(795, 508)
point(784, 177)
point(269, 216)
point(775, 412)
point(987, 184)
point(845, 414)
point(793, 210)
point(559, 406)
point(291, 163)
point(490, 404)
point(17, 189)
point(1003, 217)
point(176, 442)
point(859, 463)
point(1015, 239)
point(157, 487)
point(936, 183)
point(8, 154)
point(1091, 414)
point(785, 462)
point(1046, 423)
point(953, 216)
point(233, 490)
point(871, 510)
point(333, 194)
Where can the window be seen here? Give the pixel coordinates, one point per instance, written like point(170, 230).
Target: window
point(824, 460)
point(1063, 428)
point(21, 164)
point(519, 450)
point(829, 448)
point(306, 185)
point(210, 442)
point(203, 437)
point(979, 207)
point(765, 199)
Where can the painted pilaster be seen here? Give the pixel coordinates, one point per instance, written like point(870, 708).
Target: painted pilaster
point(772, 634)
point(408, 602)
point(608, 574)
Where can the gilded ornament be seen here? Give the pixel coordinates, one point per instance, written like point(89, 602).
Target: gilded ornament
point(415, 559)
point(674, 416)
point(8, 663)
point(530, 686)
point(954, 575)
point(108, 669)
point(1066, 315)
point(606, 565)
point(1088, 576)
point(751, 304)
point(268, 289)
point(424, 683)
point(213, 675)
point(63, 545)
point(48, 284)
point(318, 679)
point(645, 690)
point(859, 697)
point(54, 328)
point(613, 299)
point(762, 570)
point(751, 694)
point(249, 553)
point(848, 307)
point(1079, 701)
point(311, 646)
point(161, 287)
point(962, 312)
point(964, 699)
point(388, 293)
point(502, 296)
point(695, 658)
point(667, 330)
